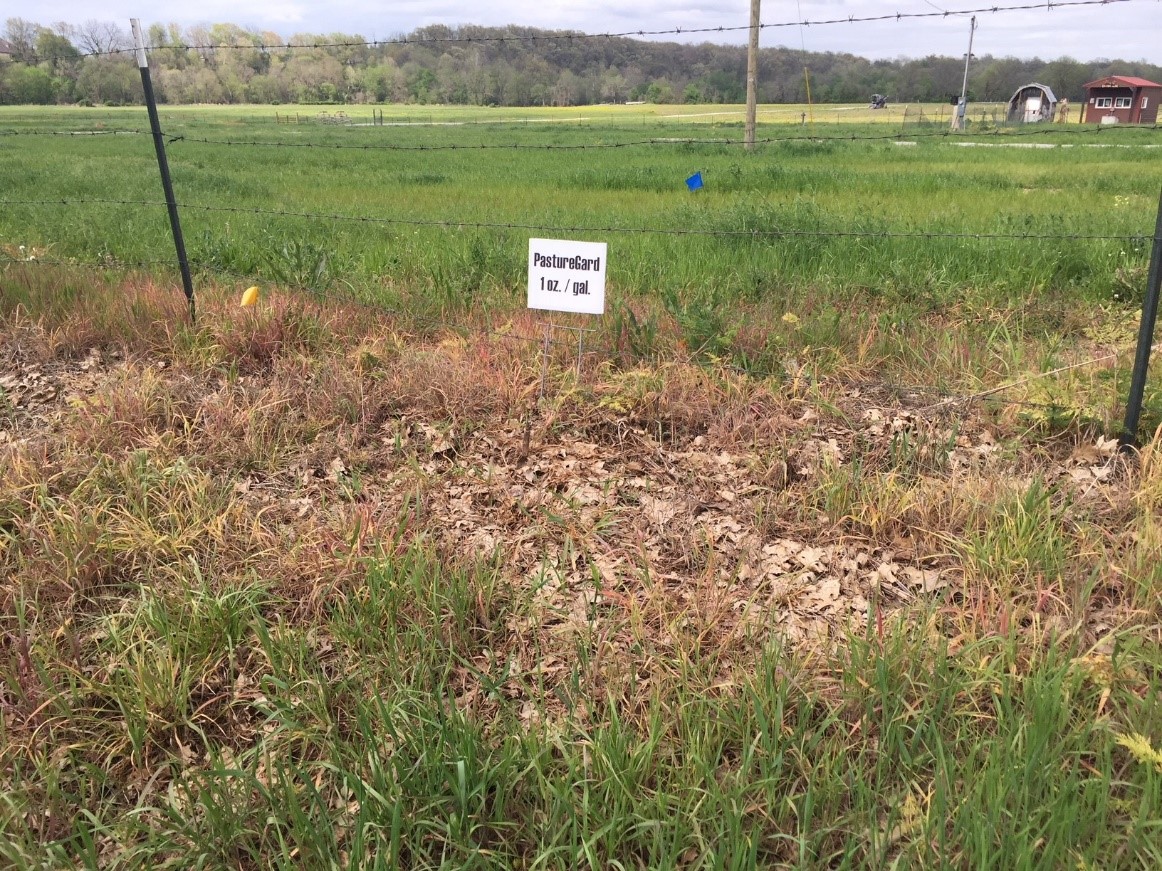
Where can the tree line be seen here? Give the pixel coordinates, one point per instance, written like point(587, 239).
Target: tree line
point(502, 66)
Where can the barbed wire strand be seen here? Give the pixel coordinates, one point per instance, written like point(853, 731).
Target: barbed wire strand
point(105, 263)
point(314, 293)
point(556, 228)
point(948, 399)
point(996, 133)
point(658, 141)
point(74, 133)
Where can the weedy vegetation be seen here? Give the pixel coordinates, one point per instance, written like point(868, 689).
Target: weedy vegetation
point(320, 583)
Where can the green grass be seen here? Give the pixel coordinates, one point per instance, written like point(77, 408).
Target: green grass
point(220, 650)
point(840, 286)
point(831, 187)
point(348, 741)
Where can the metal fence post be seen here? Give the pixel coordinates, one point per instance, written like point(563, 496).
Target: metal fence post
point(1145, 337)
point(163, 165)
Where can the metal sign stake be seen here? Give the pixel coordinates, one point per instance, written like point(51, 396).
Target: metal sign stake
point(545, 361)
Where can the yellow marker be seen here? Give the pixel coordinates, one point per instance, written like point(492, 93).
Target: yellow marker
point(250, 297)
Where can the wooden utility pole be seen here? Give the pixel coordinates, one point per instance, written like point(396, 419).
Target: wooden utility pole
point(810, 105)
point(752, 75)
point(961, 113)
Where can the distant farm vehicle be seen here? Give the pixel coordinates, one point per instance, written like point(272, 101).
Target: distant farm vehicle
point(878, 101)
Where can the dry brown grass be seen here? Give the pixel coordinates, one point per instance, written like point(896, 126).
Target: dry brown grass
point(649, 531)
point(288, 442)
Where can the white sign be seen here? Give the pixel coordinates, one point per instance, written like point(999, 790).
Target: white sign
point(567, 276)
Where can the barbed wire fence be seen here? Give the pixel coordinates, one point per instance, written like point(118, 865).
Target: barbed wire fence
point(925, 400)
point(996, 134)
point(922, 399)
point(756, 233)
point(945, 401)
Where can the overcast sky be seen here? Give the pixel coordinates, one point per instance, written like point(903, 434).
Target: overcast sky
point(1131, 30)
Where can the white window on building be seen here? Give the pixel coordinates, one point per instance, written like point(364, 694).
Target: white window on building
point(1145, 102)
point(1104, 102)
point(1123, 102)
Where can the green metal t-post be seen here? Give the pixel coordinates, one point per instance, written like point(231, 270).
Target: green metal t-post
point(1145, 338)
point(163, 165)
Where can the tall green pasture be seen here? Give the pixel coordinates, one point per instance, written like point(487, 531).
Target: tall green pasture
point(821, 223)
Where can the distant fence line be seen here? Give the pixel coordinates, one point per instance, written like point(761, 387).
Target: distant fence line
point(772, 233)
point(996, 133)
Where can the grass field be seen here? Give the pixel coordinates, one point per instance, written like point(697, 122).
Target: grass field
point(837, 285)
point(322, 584)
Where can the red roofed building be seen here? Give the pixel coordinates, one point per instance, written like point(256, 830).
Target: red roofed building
point(1122, 100)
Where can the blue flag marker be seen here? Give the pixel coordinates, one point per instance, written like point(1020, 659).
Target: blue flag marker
point(695, 181)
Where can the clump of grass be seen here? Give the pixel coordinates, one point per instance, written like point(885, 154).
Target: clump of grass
point(353, 737)
point(1019, 542)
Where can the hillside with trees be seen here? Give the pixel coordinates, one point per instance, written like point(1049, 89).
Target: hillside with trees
point(503, 66)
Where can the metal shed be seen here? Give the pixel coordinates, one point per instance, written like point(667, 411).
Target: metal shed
point(1032, 103)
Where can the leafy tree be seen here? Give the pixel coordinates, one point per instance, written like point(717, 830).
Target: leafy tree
point(110, 80)
point(223, 62)
point(660, 91)
point(421, 84)
point(613, 86)
point(55, 50)
point(25, 84)
point(567, 90)
point(1066, 76)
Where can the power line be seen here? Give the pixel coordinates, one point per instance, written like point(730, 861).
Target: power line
point(553, 228)
point(1048, 5)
